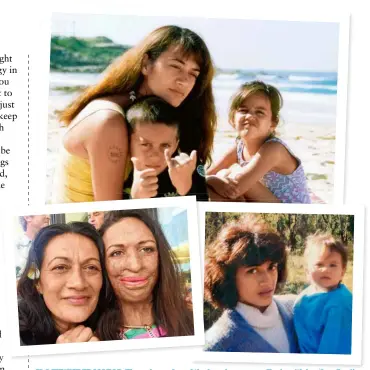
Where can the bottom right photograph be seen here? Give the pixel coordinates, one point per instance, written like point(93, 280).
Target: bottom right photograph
point(278, 282)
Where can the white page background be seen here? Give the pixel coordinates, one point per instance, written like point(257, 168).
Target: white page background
point(24, 29)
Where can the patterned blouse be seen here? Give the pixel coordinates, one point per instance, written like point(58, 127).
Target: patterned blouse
point(142, 332)
point(290, 188)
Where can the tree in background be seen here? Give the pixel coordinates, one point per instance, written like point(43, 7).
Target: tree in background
point(294, 228)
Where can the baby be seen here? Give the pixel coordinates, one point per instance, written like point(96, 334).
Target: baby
point(323, 311)
point(154, 139)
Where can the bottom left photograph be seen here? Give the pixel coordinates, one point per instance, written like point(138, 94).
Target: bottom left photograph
point(106, 275)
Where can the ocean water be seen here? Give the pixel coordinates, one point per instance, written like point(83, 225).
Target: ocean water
point(309, 97)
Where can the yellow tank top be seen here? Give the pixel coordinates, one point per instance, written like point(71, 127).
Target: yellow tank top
point(72, 179)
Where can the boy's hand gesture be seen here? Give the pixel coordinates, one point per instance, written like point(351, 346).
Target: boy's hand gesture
point(180, 169)
point(145, 183)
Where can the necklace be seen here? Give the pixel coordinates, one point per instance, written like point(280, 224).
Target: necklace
point(148, 328)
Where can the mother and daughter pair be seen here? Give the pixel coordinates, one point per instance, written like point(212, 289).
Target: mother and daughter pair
point(147, 129)
point(247, 264)
point(81, 286)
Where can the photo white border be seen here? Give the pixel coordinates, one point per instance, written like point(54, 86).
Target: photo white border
point(358, 278)
point(187, 203)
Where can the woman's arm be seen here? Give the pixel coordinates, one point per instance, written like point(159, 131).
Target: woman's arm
point(227, 160)
point(107, 149)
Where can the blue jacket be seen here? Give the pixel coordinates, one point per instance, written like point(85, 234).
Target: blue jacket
point(232, 333)
point(323, 322)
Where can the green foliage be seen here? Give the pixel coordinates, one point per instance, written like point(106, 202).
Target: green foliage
point(186, 277)
point(293, 287)
point(293, 228)
point(210, 315)
point(72, 54)
point(316, 176)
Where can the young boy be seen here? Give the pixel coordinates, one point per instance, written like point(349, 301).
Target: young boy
point(323, 311)
point(154, 139)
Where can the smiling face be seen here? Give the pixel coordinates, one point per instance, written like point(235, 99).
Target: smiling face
point(131, 260)
point(149, 141)
point(326, 270)
point(253, 118)
point(171, 76)
point(256, 284)
point(70, 279)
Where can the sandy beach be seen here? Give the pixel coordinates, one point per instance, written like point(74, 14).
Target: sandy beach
point(314, 144)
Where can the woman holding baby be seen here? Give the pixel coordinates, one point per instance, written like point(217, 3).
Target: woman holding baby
point(244, 270)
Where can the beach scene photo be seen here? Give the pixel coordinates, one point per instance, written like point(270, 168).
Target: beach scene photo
point(298, 58)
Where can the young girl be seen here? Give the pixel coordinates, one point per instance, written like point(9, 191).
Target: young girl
point(323, 311)
point(261, 157)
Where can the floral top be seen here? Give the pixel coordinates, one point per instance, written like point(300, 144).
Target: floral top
point(290, 188)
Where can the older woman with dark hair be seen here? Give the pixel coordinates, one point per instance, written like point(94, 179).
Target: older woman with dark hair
point(60, 293)
point(244, 266)
point(146, 298)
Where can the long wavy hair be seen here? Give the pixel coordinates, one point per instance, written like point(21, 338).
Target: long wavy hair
point(124, 75)
point(36, 325)
point(169, 305)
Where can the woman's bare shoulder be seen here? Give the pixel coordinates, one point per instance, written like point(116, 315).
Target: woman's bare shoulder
point(94, 125)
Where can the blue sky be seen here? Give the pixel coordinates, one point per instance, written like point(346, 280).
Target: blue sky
point(235, 44)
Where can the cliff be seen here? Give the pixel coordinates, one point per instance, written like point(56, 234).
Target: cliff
point(73, 54)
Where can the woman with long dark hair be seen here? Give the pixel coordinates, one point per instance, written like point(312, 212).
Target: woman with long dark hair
point(172, 63)
point(60, 293)
point(147, 295)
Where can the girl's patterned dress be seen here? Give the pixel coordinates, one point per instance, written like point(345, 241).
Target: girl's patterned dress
point(288, 188)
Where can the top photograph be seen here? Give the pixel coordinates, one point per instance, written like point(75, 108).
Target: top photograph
point(234, 110)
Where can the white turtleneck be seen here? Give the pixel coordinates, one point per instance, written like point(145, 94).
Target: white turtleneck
point(268, 324)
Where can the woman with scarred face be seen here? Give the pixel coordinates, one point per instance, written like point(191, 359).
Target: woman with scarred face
point(147, 296)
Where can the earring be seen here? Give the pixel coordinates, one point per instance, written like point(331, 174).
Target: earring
point(33, 272)
point(132, 95)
